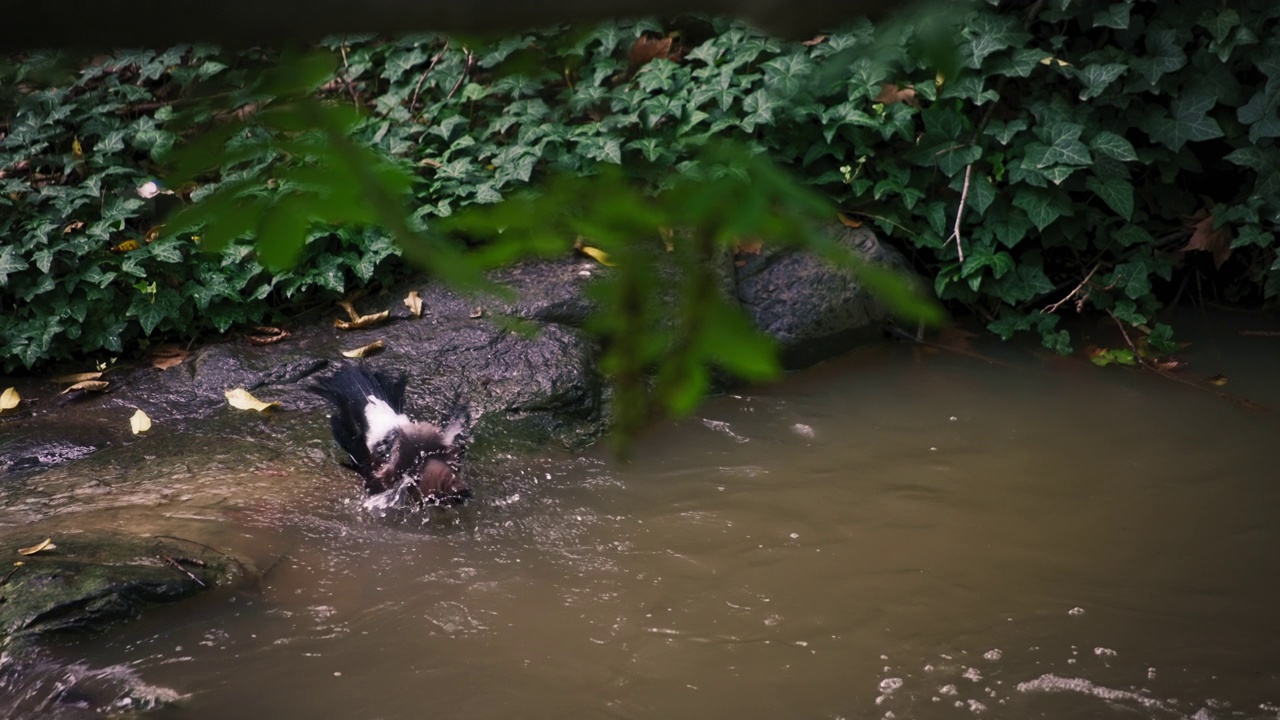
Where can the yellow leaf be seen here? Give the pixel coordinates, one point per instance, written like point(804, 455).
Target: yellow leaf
point(46, 545)
point(600, 256)
point(365, 351)
point(413, 301)
point(242, 400)
point(1218, 380)
point(139, 423)
point(126, 246)
point(77, 378)
point(77, 149)
point(9, 399)
point(363, 321)
point(87, 386)
point(1052, 60)
point(939, 79)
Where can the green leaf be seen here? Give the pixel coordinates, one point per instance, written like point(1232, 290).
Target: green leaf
point(1097, 78)
point(1116, 192)
point(1115, 16)
point(1188, 121)
point(1164, 54)
point(1042, 206)
point(1113, 145)
point(1027, 281)
point(1134, 277)
point(10, 262)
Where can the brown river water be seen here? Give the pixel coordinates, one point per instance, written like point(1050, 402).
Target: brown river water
point(895, 534)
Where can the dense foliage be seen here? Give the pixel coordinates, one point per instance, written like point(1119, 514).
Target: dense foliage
point(1072, 155)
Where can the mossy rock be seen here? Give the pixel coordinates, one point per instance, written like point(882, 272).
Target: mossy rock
point(91, 581)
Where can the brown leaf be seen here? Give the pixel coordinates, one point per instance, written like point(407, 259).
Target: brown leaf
point(76, 378)
point(87, 386)
point(1205, 237)
point(164, 357)
point(477, 313)
point(413, 301)
point(38, 547)
point(748, 247)
point(815, 41)
point(845, 219)
point(77, 225)
point(891, 93)
point(351, 309)
point(365, 350)
point(363, 321)
point(266, 335)
point(1218, 380)
point(648, 47)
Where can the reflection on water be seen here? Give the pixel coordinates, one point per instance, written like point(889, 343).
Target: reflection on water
point(895, 534)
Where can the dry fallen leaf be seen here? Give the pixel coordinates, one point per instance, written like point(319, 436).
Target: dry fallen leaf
point(413, 301)
point(351, 309)
point(850, 222)
point(477, 313)
point(363, 321)
point(139, 423)
point(1051, 60)
point(1218, 380)
point(265, 335)
point(242, 400)
point(164, 357)
point(87, 386)
point(9, 399)
point(366, 350)
point(77, 377)
point(892, 93)
point(46, 545)
point(818, 39)
point(1205, 237)
point(599, 255)
point(648, 47)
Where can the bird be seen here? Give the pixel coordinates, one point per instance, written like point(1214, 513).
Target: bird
point(390, 450)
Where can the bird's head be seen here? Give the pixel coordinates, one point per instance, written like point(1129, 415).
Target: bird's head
point(440, 485)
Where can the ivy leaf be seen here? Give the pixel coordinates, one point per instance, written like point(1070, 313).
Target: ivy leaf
point(1042, 206)
point(1262, 113)
point(759, 109)
point(1134, 277)
point(10, 262)
point(1097, 78)
point(1115, 16)
point(1113, 145)
point(1164, 54)
point(151, 309)
point(987, 34)
point(1027, 281)
point(1188, 121)
point(785, 75)
point(1116, 192)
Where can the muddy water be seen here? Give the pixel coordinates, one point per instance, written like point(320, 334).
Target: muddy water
point(895, 534)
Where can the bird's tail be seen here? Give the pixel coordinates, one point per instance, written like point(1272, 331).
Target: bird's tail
point(349, 392)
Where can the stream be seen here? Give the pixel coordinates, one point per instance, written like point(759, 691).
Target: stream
point(899, 533)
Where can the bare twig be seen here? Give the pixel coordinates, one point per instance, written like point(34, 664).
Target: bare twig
point(177, 565)
point(346, 76)
point(414, 100)
point(466, 69)
point(1054, 307)
point(964, 195)
point(10, 573)
point(881, 218)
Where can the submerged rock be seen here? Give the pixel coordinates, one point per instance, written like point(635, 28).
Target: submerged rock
point(90, 581)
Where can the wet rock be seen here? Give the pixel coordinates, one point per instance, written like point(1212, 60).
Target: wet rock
point(811, 308)
point(518, 361)
point(90, 581)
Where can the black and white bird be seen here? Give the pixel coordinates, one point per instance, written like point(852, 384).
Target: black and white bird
point(389, 450)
